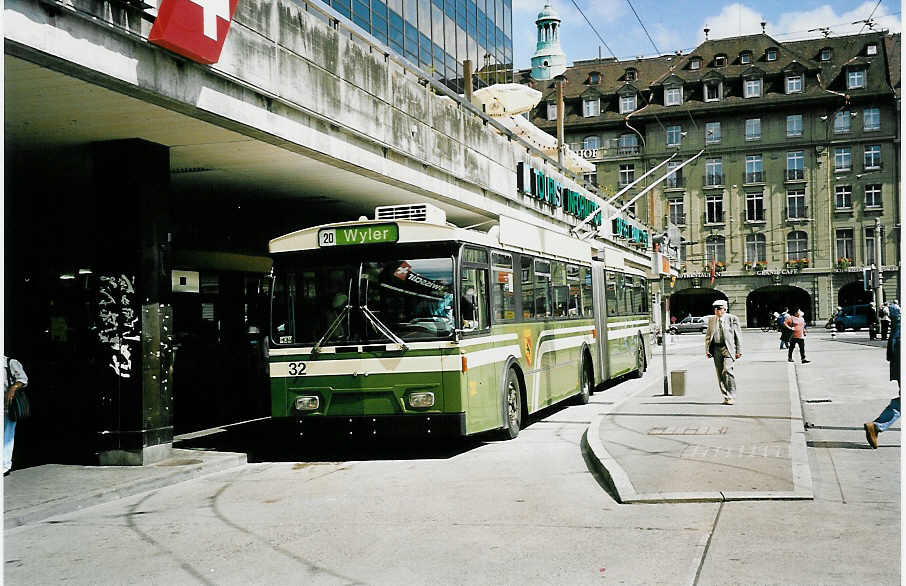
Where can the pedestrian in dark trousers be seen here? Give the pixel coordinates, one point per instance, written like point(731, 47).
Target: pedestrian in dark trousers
point(892, 412)
point(872, 321)
point(796, 325)
point(884, 318)
point(784, 333)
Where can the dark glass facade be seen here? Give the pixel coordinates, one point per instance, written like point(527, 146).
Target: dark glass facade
point(438, 35)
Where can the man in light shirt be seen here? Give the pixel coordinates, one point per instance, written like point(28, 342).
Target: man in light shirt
point(723, 342)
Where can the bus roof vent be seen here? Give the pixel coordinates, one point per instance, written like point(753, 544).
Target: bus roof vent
point(418, 212)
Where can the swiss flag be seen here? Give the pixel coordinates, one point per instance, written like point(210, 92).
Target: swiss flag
point(193, 28)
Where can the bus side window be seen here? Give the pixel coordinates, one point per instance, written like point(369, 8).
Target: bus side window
point(611, 293)
point(528, 287)
point(503, 295)
point(473, 301)
point(559, 290)
point(587, 308)
point(542, 288)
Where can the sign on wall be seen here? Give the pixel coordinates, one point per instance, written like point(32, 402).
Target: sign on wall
point(195, 29)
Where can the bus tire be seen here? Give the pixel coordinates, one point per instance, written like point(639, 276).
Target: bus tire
point(586, 377)
point(641, 361)
point(513, 405)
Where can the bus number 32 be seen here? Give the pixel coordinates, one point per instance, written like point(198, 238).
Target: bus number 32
point(296, 368)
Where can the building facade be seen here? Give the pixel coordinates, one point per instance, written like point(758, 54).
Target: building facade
point(439, 35)
point(796, 182)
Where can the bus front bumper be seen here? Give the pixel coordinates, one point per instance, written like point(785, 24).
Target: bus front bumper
point(375, 426)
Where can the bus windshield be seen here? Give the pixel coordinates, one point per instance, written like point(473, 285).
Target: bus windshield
point(412, 297)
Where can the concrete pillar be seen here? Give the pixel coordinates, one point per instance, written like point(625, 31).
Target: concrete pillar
point(132, 308)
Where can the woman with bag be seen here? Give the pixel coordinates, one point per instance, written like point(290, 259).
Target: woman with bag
point(14, 379)
point(795, 325)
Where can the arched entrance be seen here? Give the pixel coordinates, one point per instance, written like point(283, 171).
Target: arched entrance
point(695, 301)
point(853, 294)
point(764, 301)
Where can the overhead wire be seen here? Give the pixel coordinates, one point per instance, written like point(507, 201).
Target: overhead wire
point(637, 17)
point(600, 38)
point(868, 20)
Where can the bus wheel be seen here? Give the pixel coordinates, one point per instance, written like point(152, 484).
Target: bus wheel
point(585, 377)
point(513, 405)
point(840, 327)
point(640, 360)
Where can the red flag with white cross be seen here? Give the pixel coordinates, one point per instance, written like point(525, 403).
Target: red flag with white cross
point(195, 29)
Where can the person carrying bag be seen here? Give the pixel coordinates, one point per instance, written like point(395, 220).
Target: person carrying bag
point(16, 406)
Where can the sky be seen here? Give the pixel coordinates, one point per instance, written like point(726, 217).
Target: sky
point(678, 25)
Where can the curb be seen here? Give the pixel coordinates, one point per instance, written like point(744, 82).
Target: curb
point(210, 464)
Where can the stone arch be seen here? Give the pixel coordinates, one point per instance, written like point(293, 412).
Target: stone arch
point(695, 301)
point(853, 293)
point(764, 301)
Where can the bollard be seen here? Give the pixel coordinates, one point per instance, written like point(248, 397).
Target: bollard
point(677, 383)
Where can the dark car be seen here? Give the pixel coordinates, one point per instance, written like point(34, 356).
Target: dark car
point(852, 317)
point(689, 324)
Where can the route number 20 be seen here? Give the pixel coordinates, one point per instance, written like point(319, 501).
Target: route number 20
point(296, 368)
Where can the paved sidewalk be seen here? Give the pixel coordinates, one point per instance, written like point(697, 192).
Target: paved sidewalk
point(33, 494)
point(692, 448)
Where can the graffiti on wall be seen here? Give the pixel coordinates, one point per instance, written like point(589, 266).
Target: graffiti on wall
point(118, 326)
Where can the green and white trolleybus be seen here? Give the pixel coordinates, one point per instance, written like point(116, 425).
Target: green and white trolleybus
point(406, 324)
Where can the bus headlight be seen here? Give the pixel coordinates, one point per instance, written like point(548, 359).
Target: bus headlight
point(307, 403)
point(421, 400)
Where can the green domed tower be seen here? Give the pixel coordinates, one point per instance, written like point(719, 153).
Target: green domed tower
point(549, 60)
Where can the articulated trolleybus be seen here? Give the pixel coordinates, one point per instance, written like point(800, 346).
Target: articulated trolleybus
point(409, 325)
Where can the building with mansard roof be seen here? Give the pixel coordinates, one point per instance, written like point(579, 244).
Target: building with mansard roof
point(796, 185)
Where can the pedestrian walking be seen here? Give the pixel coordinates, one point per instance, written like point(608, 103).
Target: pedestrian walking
point(723, 342)
point(14, 378)
point(784, 332)
point(795, 325)
point(892, 412)
point(872, 321)
point(884, 318)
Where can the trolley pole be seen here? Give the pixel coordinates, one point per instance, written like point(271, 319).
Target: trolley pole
point(664, 335)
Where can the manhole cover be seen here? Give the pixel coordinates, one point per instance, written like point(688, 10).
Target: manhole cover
point(180, 462)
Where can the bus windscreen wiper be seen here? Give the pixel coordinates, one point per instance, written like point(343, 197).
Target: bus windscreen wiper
point(373, 319)
point(336, 323)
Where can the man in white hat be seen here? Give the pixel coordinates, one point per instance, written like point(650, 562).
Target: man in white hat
point(723, 342)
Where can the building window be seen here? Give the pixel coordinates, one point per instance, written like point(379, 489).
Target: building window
point(797, 245)
point(628, 144)
point(713, 172)
point(752, 88)
point(841, 122)
point(627, 174)
point(715, 249)
point(771, 54)
point(871, 49)
point(795, 165)
point(845, 250)
point(673, 96)
point(795, 204)
point(754, 169)
point(872, 157)
point(871, 119)
point(631, 75)
point(712, 132)
point(594, 78)
point(627, 104)
point(745, 57)
point(713, 91)
point(714, 209)
point(590, 178)
point(695, 63)
point(843, 197)
point(873, 195)
point(843, 159)
point(674, 135)
point(794, 84)
point(755, 206)
point(720, 60)
point(677, 212)
point(870, 247)
point(591, 107)
point(794, 125)
point(753, 129)
point(756, 249)
point(675, 179)
point(826, 54)
point(591, 142)
point(855, 79)
point(551, 111)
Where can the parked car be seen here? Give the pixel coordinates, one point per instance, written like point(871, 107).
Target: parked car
point(689, 324)
point(852, 317)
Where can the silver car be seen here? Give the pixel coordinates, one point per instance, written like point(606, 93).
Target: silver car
point(689, 324)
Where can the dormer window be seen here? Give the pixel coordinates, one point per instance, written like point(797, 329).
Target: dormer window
point(713, 91)
point(855, 79)
point(695, 63)
point(673, 96)
point(720, 60)
point(591, 107)
point(594, 78)
point(826, 54)
point(871, 49)
point(631, 75)
point(627, 103)
point(771, 54)
point(745, 57)
point(551, 110)
point(752, 88)
point(794, 84)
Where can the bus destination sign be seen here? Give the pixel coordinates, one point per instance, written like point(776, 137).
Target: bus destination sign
point(355, 235)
